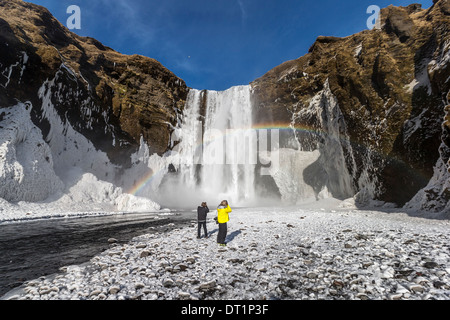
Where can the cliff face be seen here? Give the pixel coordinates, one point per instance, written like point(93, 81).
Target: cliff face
point(110, 98)
point(392, 90)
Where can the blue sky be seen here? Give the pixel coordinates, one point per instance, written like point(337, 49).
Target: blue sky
point(216, 44)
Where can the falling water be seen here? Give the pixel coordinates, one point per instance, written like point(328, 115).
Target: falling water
point(216, 155)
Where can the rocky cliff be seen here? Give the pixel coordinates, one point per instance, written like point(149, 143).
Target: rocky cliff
point(110, 98)
point(382, 95)
point(74, 115)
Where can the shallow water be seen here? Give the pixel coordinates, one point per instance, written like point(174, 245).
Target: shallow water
point(29, 250)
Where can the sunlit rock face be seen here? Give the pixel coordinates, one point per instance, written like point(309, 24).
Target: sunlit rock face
point(389, 90)
point(111, 98)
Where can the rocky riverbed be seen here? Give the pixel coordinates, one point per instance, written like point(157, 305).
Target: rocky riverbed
point(272, 253)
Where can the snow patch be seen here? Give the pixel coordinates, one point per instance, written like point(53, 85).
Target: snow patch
point(358, 50)
point(26, 163)
point(421, 79)
point(128, 202)
point(21, 64)
point(442, 60)
point(84, 194)
point(412, 126)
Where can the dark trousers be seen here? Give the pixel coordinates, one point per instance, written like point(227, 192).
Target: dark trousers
point(200, 224)
point(222, 233)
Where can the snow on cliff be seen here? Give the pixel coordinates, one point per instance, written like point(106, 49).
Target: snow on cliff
point(29, 185)
point(26, 163)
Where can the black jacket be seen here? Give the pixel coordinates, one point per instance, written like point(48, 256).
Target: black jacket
point(202, 212)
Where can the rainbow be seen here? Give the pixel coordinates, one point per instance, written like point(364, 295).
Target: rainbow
point(141, 183)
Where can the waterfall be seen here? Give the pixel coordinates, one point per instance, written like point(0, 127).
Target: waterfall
point(219, 155)
point(228, 128)
point(216, 154)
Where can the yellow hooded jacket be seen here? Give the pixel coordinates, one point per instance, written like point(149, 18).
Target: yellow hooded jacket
point(222, 214)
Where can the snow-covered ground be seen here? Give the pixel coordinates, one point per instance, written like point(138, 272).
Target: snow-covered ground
point(304, 252)
point(86, 196)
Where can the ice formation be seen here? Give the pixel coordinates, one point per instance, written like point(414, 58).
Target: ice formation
point(26, 166)
point(336, 155)
point(432, 197)
point(60, 174)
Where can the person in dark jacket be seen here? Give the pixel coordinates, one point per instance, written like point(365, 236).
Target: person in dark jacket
point(202, 212)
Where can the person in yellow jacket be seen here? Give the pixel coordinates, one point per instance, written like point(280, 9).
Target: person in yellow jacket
point(222, 218)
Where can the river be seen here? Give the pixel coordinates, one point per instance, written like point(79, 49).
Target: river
point(29, 250)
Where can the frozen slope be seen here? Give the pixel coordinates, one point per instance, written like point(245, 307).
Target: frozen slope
point(26, 162)
point(30, 187)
